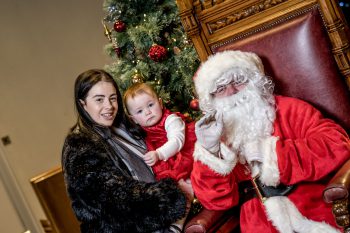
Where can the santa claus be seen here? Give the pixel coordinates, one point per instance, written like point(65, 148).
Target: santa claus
point(270, 154)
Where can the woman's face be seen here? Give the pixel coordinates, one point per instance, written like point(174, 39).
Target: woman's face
point(101, 103)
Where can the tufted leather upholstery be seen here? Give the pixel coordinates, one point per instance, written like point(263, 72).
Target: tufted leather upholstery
point(297, 54)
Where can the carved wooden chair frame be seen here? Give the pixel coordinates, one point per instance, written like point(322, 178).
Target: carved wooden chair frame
point(209, 25)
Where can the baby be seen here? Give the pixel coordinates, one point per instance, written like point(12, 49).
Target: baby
point(170, 141)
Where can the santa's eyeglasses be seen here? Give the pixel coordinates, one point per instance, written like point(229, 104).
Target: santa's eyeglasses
point(236, 80)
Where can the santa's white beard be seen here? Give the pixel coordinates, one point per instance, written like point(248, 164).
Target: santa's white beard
point(247, 116)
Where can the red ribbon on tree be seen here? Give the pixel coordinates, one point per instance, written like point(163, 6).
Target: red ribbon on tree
point(157, 53)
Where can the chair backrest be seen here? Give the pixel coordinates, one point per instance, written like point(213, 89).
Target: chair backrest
point(304, 44)
point(51, 192)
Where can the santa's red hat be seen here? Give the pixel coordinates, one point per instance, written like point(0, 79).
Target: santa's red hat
point(220, 63)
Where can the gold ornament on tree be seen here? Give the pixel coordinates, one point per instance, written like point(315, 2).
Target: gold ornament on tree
point(176, 50)
point(108, 34)
point(137, 78)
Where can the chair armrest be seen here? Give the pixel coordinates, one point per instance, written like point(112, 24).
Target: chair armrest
point(207, 221)
point(337, 193)
point(338, 187)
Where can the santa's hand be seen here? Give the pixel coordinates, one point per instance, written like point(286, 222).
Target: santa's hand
point(151, 157)
point(252, 151)
point(209, 130)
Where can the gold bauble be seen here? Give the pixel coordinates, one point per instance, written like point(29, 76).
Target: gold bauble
point(176, 50)
point(137, 78)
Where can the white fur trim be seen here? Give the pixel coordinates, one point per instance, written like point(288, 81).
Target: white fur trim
point(287, 219)
point(269, 173)
point(222, 165)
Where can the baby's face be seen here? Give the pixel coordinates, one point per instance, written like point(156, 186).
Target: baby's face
point(144, 109)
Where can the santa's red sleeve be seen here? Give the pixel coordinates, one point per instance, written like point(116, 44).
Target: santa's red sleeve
point(215, 191)
point(212, 178)
point(309, 146)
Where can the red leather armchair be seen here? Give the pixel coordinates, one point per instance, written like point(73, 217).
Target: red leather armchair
point(304, 45)
point(211, 221)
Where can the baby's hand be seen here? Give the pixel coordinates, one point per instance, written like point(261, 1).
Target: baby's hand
point(151, 157)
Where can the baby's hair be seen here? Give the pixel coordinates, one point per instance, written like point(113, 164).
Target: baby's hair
point(137, 89)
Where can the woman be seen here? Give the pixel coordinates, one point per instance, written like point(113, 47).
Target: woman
point(110, 186)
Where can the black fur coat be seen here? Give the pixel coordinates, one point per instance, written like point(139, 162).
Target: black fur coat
point(106, 199)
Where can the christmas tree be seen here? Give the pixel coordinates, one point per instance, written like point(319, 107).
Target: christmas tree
point(148, 44)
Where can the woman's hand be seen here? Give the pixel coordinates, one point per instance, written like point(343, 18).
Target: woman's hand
point(186, 187)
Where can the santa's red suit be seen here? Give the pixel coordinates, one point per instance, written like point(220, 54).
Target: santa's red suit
point(308, 148)
point(178, 166)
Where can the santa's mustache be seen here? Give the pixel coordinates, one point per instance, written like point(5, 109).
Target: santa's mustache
point(244, 96)
point(247, 116)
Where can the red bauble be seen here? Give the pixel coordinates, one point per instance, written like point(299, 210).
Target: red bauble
point(118, 51)
point(119, 26)
point(194, 104)
point(157, 53)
